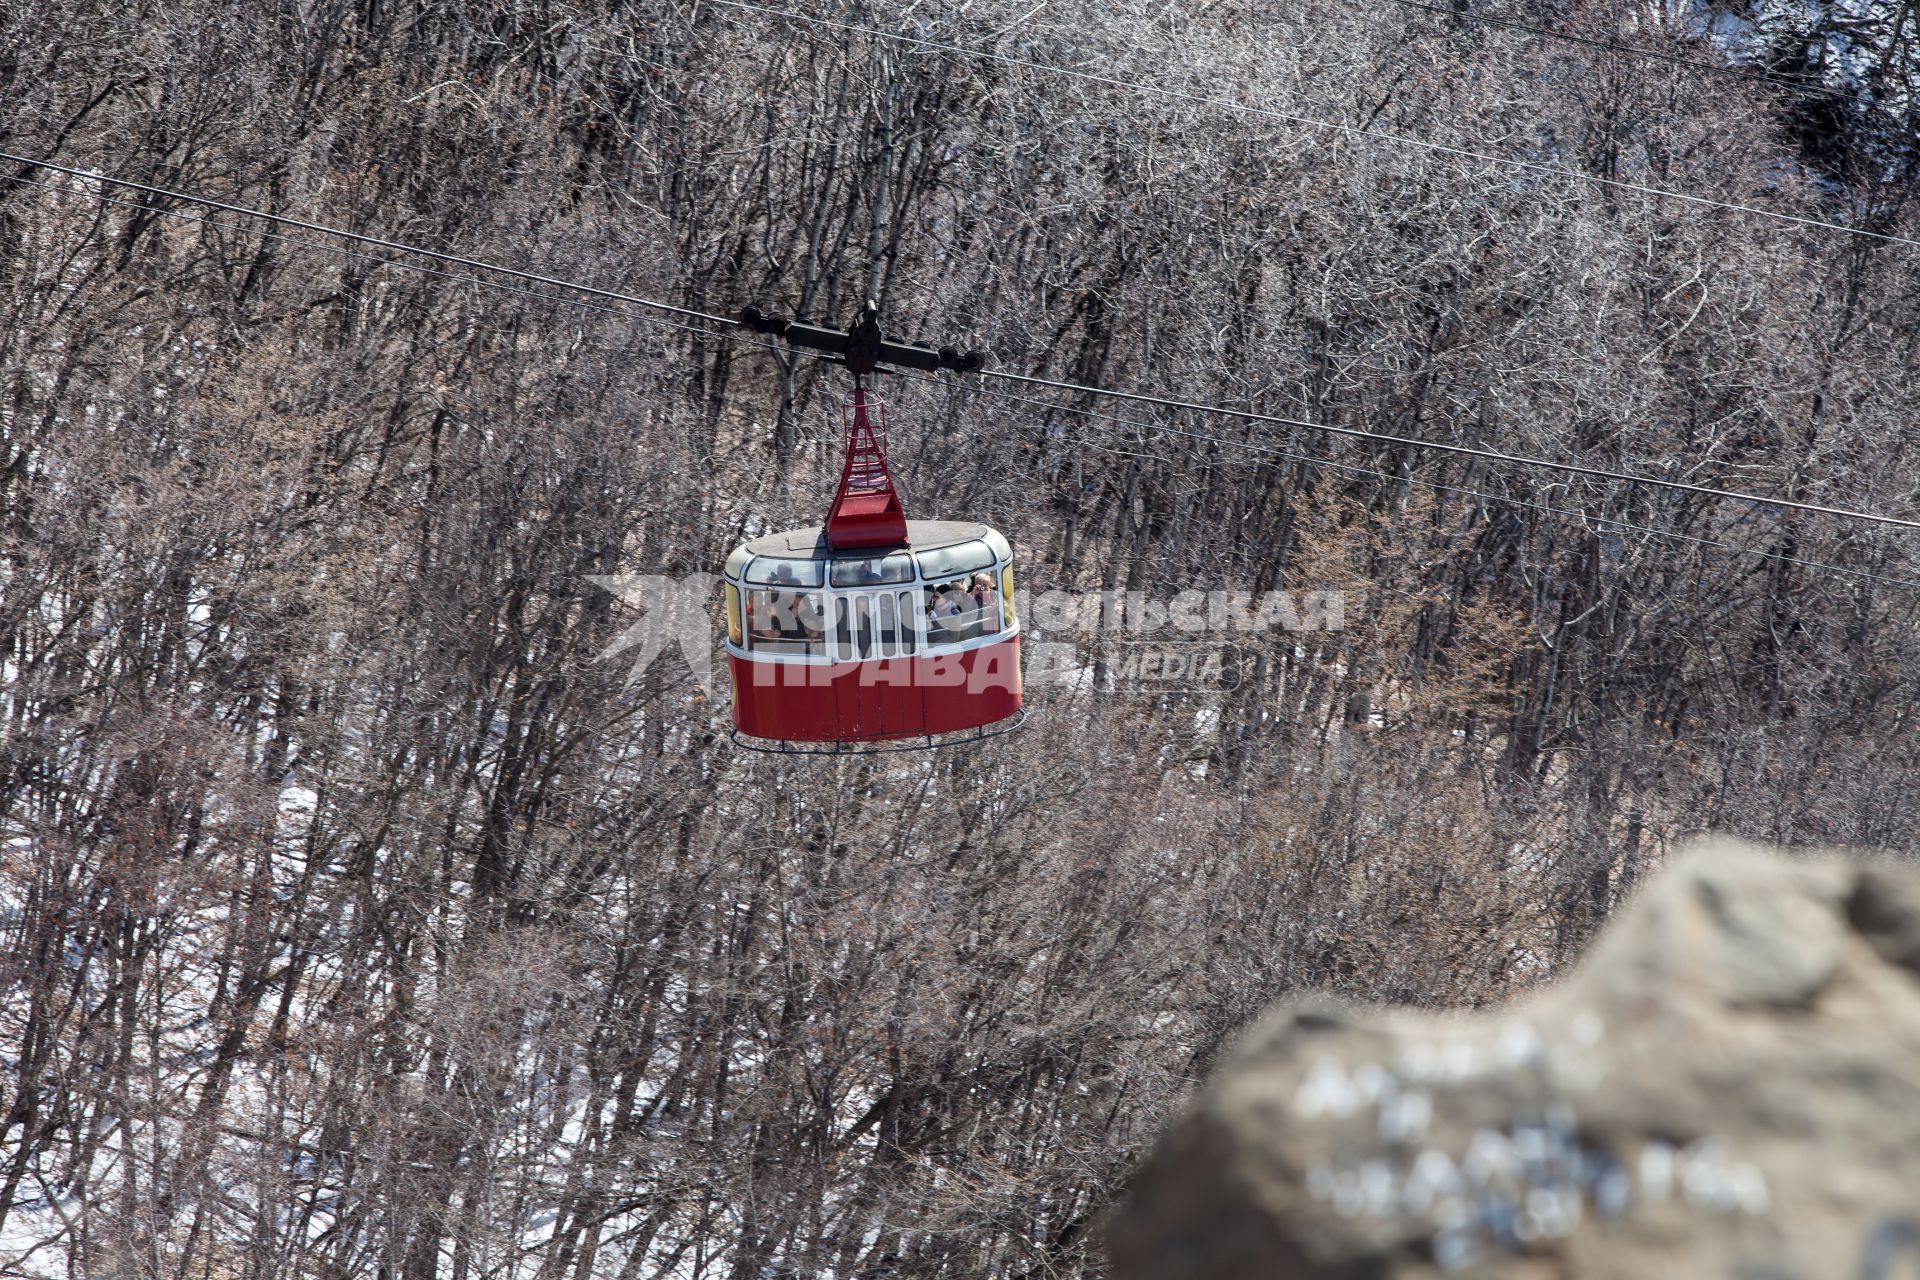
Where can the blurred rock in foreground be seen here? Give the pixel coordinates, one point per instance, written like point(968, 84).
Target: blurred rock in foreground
point(1728, 1086)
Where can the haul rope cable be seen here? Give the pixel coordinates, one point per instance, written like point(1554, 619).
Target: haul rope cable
point(1463, 450)
point(376, 241)
point(1415, 478)
point(340, 251)
point(1306, 459)
point(1164, 402)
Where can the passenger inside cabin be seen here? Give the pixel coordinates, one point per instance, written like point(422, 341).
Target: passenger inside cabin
point(760, 619)
point(986, 604)
point(793, 616)
point(763, 620)
point(948, 610)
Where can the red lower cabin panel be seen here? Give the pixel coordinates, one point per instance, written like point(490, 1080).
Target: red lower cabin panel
point(876, 700)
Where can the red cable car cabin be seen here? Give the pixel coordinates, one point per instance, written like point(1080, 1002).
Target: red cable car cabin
point(871, 628)
point(871, 645)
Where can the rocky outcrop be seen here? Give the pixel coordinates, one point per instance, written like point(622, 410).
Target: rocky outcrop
point(1728, 1086)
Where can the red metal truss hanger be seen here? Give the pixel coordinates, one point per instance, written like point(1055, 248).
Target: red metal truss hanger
point(866, 510)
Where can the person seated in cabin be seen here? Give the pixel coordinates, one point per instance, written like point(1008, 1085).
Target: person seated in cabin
point(811, 621)
point(986, 604)
point(947, 611)
point(761, 623)
point(793, 612)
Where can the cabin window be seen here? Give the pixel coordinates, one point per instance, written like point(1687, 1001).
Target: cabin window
point(963, 609)
point(945, 563)
point(906, 606)
point(871, 625)
point(735, 632)
point(785, 621)
point(778, 572)
point(872, 570)
point(1006, 593)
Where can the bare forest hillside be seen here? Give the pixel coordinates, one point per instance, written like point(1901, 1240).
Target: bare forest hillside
point(359, 919)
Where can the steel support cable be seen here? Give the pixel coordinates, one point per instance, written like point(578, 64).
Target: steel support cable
point(1415, 478)
point(1489, 455)
point(376, 241)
